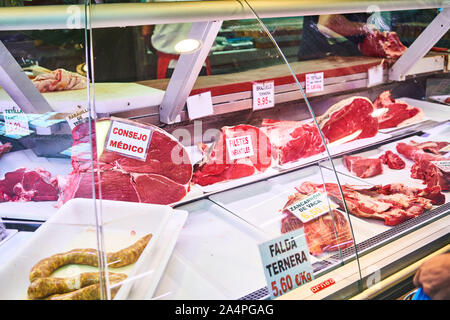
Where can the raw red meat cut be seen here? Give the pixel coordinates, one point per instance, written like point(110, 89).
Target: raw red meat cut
point(293, 140)
point(4, 148)
point(423, 154)
point(28, 185)
point(217, 165)
point(393, 203)
point(384, 44)
point(163, 178)
point(347, 117)
point(363, 167)
point(398, 113)
point(392, 160)
point(59, 80)
point(320, 233)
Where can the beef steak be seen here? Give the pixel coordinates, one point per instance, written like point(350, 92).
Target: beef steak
point(363, 167)
point(384, 44)
point(392, 160)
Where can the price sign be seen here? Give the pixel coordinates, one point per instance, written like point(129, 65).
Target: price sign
point(129, 140)
point(286, 261)
point(314, 82)
point(77, 117)
point(239, 147)
point(375, 75)
point(263, 95)
point(311, 207)
point(444, 165)
point(16, 122)
point(200, 105)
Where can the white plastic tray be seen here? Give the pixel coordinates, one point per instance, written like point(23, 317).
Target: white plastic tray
point(216, 257)
point(74, 227)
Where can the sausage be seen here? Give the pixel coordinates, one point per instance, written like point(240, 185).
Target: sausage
point(91, 292)
point(124, 257)
point(43, 287)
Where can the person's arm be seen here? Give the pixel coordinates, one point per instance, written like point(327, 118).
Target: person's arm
point(342, 26)
point(433, 276)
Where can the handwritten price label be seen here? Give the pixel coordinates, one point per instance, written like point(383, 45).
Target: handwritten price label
point(16, 122)
point(286, 261)
point(263, 95)
point(314, 82)
point(240, 147)
point(311, 207)
point(443, 165)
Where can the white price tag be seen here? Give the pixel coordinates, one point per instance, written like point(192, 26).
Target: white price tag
point(77, 117)
point(311, 207)
point(16, 122)
point(263, 95)
point(375, 75)
point(314, 82)
point(128, 140)
point(240, 147)
point(200, 105)
point(444, 165)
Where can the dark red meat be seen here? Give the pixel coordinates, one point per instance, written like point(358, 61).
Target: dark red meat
point(363, 167)
point(392, 160)
point(398, 112)
point(382, 44)
point(4, 148)
point(321, 232)
point(218, 166)
point(347, 117)
point(293, 140)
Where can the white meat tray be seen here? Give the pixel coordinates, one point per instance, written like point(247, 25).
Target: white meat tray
point(74, 227)
point(260, 204)
point(433, 111)
point(216, 257)
point(109, 98)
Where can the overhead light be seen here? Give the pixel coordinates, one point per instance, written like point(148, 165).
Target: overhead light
point(188, 46)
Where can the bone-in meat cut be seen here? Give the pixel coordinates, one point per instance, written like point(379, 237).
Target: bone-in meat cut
point(351, 116)
point(392, 204)
point(163, 178)
point(392, 160)
point(237, 152)
point(396, 112)
point(363, 167)
point(292, 140)
point(382, 44)
point(320, 232)
point(424, 154)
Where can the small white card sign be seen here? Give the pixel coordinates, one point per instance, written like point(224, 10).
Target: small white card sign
point(286, 261)
point(263, 95)
point(240, 147)
point(444, 165)
point(200, 105)
point(16, 122)
point(375, 75)
point(311, 207)
point(314, 82)
point(128, 140)
point(77, 117)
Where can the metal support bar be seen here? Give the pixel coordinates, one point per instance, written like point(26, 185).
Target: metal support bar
point(18, 86)
point(135, 14)
point(424, 42)
point(186, 70)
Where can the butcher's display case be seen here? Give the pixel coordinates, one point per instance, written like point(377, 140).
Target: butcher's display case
point(225, 150)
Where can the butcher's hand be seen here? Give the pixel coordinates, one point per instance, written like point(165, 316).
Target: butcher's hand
point(433, 276)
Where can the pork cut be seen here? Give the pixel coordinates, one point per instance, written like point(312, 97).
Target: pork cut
point(392, 160)
point(382, 44)
point(423, 154)
point(293, 140)
point(59, 80)
point(363, 167)
point(347, 118)
point(4, 148)
point(219, 164)
point(163, 178)
point(392, 204)
point(24, 185)
point(397, 113)
point(328, 232)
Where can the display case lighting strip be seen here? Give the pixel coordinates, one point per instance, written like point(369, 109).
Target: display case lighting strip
point(135, 14)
